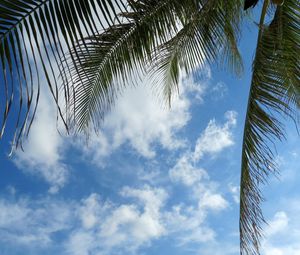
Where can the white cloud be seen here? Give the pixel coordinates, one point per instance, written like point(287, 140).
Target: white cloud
point(213, 140)
point(141, 119)
point(107, 227)
point(278, 224)
point(148, 176)
point(215, 137)
point(90, 211)
point(235, 191)
point(191, 87)
point(197, 179)
point(94, 226)
point(80, 243)
point(282, 233)
point(89, 226)
point(43, 149)
point(28, 223)
point(185, 172)
point(187, 225)
point(129, 226)
point(153, 199)
point(219, 91)
point(189, 221)
point(213, 201)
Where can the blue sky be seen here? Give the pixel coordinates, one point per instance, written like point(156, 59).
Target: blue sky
point(153, 181)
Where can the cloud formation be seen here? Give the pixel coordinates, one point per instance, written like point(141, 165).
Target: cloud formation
point(215, 137)
point(97, 226)
point(89, 226)
point(32, 224)
point(189, 220)
point(283, 231)
point(43, 150)
point(141, 119)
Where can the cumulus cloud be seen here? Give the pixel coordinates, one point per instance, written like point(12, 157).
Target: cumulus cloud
point(215, 137)
point(90, 211)
point(153, 199)
point(141, 119)
point(187, 224)
point(203, 189)
point(185, 172)
point(107, 226)
point(278, 229)
point(89, 226)
point(212, 140)
point(104, 227)
point(81, 243)
point(96, 226)
point(214, 201)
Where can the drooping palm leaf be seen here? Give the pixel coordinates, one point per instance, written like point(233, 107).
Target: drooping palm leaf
point(274, 92)
point(208, 35)
point(110, 57)
point(35, 36)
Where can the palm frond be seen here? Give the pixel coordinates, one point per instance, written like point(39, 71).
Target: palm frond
point(35, 36)
point(274, 93)
point(113, 55)
point(210, 33)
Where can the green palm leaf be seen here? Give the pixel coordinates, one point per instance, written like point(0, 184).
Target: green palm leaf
point(112, 56)
point(208, 35)
point(35, 36)
point(274, 92)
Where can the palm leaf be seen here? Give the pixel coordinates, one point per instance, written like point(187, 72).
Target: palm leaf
point(35, 36)
point(274, 93)
point(112, 56)
point(210, 33)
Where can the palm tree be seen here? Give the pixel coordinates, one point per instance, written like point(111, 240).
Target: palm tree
point(96, 45)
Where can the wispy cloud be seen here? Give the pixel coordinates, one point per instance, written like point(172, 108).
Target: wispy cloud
point(219, 91)
point(31, 224)
point(187, 219)
point(43, 150)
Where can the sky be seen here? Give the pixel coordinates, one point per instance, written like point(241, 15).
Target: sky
point(154, 180)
